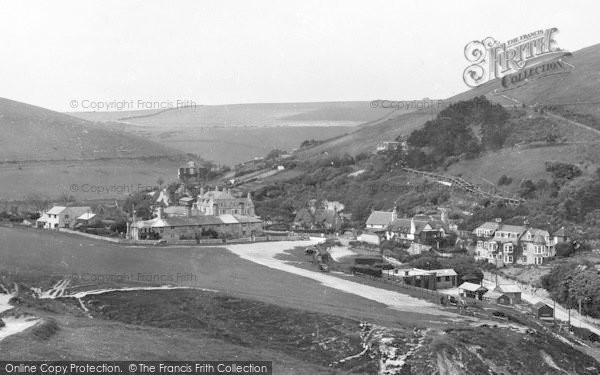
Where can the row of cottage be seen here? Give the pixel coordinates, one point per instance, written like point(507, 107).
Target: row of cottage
point(496, 242)
point(213, 212)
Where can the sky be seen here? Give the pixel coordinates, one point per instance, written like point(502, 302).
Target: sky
point(225, 51)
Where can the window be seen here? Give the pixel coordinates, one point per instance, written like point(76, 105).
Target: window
point(485, 245)
point(539, 260)
point(447, 278)
point(479, 244)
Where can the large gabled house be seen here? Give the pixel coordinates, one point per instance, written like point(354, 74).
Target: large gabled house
point(536, 245)
point(503, 244)
point(420, 231)
point(380, 220)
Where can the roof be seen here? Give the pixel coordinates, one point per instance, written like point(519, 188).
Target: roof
point(175, 210)
point(540, 304)
point(445, 272)
point(492, 294)
point(247, 219)
point(86, 216)
point(56, 210)
point(380, 218)
point(191, 221)
point(491, 225)
point(472, 287)
point(511, 228)
point(228, 219)
point(44, 218)
point(508, 288)
point(410, 272)
point(186, 199)
point(195, 221)
point(560, 233)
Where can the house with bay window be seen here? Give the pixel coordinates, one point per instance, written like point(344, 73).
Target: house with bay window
point(502, 244)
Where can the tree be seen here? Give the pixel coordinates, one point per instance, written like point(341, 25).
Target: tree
point(160, 182)
point(38, 202)
point(564, 249)
point(426, 262)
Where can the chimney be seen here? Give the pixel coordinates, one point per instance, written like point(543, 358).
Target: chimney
point(160, 212)
point(444, 216)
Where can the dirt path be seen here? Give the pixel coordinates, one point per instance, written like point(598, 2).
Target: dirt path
point(561, 313)
point(265, 254)
point(571, 122)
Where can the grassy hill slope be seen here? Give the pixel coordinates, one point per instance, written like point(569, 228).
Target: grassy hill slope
point(577, 91)
point(34, 133)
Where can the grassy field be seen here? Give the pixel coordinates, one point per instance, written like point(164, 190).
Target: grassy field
point(34, 133)
point(258, 313)
point(238, 144)
point(41, 258)
point(245, 115)
point(52, 179)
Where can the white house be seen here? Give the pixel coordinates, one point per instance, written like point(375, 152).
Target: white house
point(380, 219)
point(61, 217)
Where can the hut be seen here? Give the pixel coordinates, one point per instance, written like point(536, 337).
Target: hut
point(511, 290)
point(542, 311)
point(471, 290)
point(496, 297)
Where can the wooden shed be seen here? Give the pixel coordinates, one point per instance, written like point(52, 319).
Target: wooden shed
point(542, 311)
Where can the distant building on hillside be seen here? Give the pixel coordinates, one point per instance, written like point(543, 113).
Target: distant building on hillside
point(62, 217)
point(221, 202)
point(192, 173)
point(380, 219)
point(383, 146)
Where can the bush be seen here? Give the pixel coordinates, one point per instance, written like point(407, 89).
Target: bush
point(585, 334)
point(366, 270)
point(46, 329)
point(504, 180)
point(563, 170)
point(564, 249)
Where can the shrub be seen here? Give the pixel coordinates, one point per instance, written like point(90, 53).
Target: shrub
point(366, 270)
point(46, 329)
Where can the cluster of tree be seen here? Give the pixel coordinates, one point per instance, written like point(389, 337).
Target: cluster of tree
point(490, 211)
point(451, 132)
point(563, 171)
point(274, 154)
point(310, 143)
point(141, 202)
point(17, 217)
point(573, 285)
point(504, 180)
point(578, 202)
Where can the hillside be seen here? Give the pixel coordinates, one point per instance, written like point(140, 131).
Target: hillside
point(574, 113)
point(230, 134)
point(245, 115)
point(34, 133)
